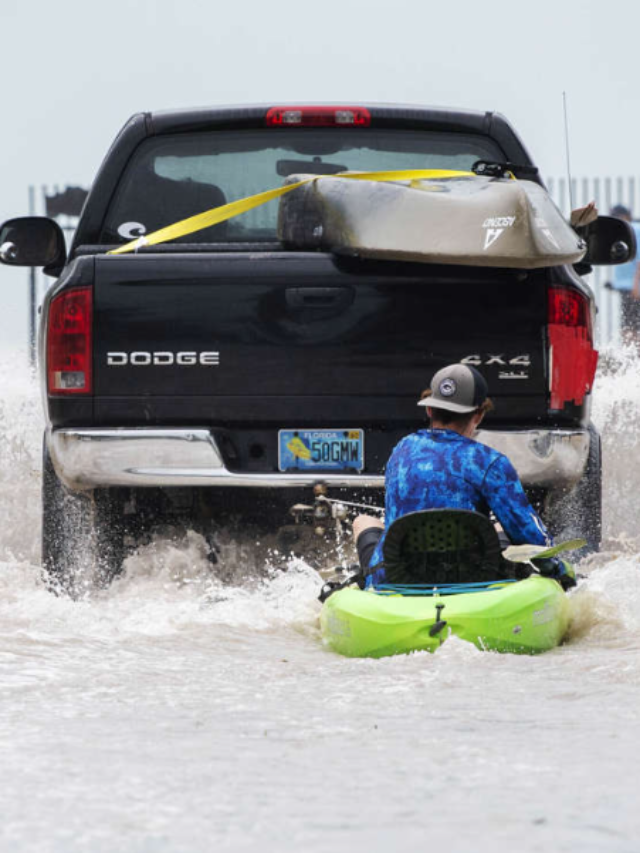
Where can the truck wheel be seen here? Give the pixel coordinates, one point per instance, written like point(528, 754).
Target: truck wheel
point(82, 535)
point(578, 513)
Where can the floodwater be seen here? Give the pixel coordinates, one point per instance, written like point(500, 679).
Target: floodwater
point(176, 713)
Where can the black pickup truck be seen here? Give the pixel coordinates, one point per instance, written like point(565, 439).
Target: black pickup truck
point(178, 379)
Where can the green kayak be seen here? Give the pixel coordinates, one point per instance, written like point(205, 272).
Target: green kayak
point(525, 616)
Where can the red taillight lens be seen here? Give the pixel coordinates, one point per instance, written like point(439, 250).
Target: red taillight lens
point(573, 360)
point(69, 342)
point(568, 307)
point(318, 117)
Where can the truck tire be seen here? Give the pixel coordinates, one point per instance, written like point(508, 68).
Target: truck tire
point(82, 535)
point(577, 514)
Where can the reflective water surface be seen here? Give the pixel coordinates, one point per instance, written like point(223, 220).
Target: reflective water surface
point(176, 713)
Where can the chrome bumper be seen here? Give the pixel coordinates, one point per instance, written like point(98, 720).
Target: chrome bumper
point(86, 458)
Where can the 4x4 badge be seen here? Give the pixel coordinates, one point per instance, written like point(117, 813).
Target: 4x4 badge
point(477, 360)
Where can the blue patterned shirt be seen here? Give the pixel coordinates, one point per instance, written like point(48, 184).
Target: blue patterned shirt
point(441, 469)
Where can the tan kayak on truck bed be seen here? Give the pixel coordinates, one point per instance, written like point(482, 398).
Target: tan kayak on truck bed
point(469, 220)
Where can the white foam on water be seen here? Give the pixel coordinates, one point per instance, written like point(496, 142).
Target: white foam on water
point(606, 607)
point(21, 425)
point(169, 583)
point(616, 414)
point(192, 706)
point(168, 565)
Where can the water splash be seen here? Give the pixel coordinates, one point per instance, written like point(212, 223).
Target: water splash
point(616, 414)
point(21, 425)
point(252, 585)
point(161, 712)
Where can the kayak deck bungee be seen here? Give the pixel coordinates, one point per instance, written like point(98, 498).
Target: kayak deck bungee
point(524, 617)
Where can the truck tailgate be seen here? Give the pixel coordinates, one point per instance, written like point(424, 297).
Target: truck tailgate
point(209, 337)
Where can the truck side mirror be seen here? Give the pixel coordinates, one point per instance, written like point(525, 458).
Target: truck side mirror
point(32, 241)
point(609, 241)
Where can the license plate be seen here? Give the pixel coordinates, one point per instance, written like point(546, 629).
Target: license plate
point(321, 449)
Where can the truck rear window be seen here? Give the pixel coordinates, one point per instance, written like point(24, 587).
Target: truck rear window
point(173, 177)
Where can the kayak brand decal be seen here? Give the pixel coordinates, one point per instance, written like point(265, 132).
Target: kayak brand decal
point(163, 359)
point(516, 367)
point(542, 225)
point(338, 625)
point(495, 227)
point(545, 615)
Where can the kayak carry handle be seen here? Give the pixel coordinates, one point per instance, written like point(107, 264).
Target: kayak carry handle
point(439, 624)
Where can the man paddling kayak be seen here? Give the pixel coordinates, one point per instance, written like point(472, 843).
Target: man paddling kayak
point(444, 468)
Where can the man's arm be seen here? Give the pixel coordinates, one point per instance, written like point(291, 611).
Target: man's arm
point(503, 492)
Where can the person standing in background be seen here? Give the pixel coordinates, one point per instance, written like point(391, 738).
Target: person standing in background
point(626, 280)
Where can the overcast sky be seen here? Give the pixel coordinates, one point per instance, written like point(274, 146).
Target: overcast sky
point(74, 70)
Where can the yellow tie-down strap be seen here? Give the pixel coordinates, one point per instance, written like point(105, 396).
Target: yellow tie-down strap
point(227, 211)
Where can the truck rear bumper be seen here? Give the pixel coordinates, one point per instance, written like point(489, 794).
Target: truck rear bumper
point(89, 458)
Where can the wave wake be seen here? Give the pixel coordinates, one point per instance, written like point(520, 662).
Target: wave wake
point(170, 583)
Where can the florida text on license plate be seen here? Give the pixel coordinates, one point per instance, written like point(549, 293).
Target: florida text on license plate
point(324, 449)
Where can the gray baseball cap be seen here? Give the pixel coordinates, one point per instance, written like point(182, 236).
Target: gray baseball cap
point(457, 388)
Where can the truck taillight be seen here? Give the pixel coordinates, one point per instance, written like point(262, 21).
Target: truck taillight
point(69, 342)
point(572, 358)
point(318, 117)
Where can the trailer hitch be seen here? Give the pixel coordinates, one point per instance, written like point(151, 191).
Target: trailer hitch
point(324, 513)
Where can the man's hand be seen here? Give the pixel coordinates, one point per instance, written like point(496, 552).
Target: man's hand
point(559, 570)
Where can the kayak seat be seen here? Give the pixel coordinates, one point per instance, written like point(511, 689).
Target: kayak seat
point(443, 546)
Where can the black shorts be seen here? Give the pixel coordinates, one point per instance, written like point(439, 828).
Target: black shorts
point(366, 545)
